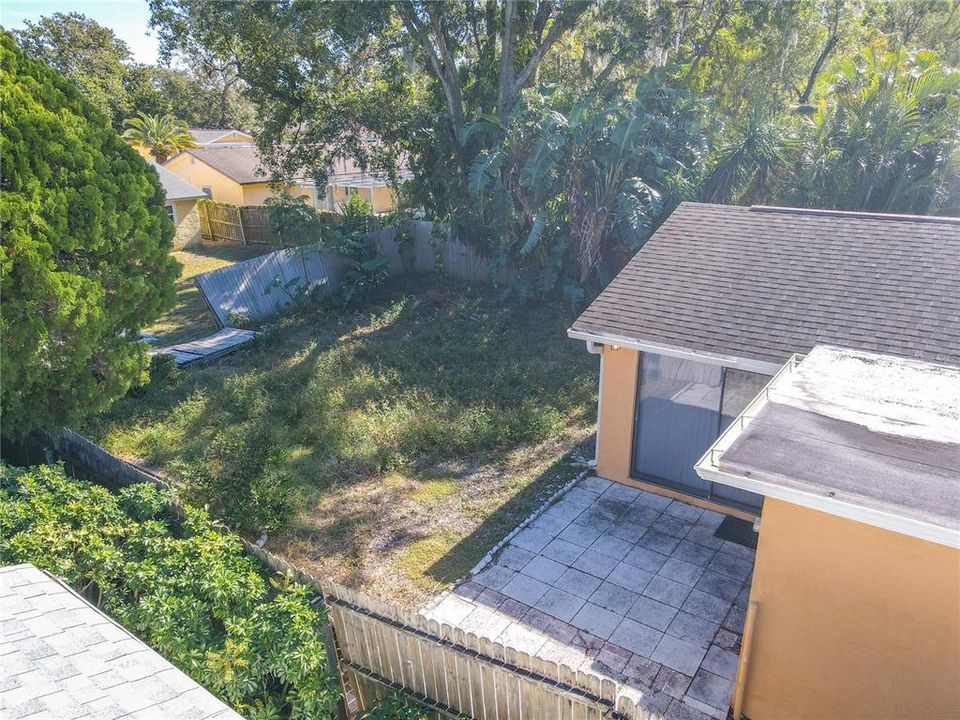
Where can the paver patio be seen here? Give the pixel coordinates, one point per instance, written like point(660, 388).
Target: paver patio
point(622, 583)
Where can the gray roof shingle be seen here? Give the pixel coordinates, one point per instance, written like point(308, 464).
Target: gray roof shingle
point(61, 657)
point(239, 163)
point(762, 283)
point(209, 135)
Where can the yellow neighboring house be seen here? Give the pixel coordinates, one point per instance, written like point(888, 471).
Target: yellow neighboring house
point(212, 136)
point(182, 208)
point(232, 173)
point(204, 137)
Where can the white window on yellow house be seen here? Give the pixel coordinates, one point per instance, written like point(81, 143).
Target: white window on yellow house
point(169, 209)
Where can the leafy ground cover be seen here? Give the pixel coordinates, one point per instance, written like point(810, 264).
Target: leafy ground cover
point(180, 583)
point(388, 446)
point(189, 319)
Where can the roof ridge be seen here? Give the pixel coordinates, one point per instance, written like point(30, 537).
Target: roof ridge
point(855, 213)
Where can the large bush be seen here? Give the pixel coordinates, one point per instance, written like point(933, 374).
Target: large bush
point(84, 253)
point(179, 582)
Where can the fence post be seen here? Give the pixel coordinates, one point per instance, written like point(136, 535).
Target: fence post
point(243, 235)
point(333, 658)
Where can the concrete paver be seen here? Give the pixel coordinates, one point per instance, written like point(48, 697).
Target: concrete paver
point(624, 584)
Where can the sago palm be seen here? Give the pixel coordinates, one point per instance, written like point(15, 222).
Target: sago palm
point(161, 135)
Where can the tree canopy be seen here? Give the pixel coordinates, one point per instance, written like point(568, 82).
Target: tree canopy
point(100, 64)
point(161, 135)
point(483, 99)
point(84, 255)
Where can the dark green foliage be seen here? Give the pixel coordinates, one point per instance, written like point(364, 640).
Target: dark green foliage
point(396, 708)
point(242, 477)
point(88, 54)
point(181, 583)
point(348, 238)
point(84, 254)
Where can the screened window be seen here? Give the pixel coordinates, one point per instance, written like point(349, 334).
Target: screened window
point(682, 406)
point(169, 209)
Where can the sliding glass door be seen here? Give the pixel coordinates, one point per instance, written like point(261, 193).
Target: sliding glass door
point(682, 406)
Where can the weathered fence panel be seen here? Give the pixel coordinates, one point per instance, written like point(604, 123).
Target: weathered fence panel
point(261, 286)
point(222, 222)
point(257, 225)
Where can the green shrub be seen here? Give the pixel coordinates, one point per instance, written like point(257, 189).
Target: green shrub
point(240, 477)
point(85, 257)
point(395, 708)
point(179, 582)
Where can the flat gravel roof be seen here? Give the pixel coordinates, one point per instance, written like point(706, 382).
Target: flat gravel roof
point(853, 431)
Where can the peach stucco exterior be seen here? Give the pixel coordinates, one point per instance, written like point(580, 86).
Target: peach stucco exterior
point(852, 621)
point(615, 416)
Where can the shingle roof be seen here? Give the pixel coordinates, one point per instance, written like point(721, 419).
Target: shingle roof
point(209, 135)
point(175, 187)
point(762, 283)
point(62, 658)
point(240, 164)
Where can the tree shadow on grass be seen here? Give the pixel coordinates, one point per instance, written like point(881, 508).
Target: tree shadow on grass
point(456, 563)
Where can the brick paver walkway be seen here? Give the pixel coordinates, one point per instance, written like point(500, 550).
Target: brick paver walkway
point(622, 583)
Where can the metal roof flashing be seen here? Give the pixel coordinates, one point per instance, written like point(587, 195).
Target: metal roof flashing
point(784, 472)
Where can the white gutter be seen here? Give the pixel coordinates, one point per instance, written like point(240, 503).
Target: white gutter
point(757, 366)
point(708, 468)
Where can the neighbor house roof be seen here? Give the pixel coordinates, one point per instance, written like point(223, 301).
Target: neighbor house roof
point(869, 437)
point(239, 163)
point(761, 283)
point(61, 657)
point(175, 187)
point(209, 135)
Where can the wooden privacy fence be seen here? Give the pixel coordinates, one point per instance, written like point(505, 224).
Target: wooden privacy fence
point(383, 650)
point(251, 224)
point(261, 286)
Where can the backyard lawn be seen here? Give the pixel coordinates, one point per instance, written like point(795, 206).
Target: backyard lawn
point(389, 446)
point(189, 319)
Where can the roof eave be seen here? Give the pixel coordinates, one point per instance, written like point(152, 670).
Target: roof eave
point(748, 364)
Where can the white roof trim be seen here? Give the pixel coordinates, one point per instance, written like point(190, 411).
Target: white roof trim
point(708, 469)
point(757, 366)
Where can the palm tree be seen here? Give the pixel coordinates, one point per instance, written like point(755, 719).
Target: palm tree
point(161, 135)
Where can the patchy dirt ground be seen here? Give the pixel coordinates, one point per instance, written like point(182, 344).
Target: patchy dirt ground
point(407, 536)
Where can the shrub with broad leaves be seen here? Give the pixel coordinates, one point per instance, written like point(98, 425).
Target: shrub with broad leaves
point(180, 582)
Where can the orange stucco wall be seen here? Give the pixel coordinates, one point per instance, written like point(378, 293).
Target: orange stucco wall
point(852, 621)
point(618, 397)
point(617, 403)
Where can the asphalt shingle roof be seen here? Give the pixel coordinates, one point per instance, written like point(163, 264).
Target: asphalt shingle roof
point(239, 163)
point(209, 135)
point(762, 283)
point(62, 658)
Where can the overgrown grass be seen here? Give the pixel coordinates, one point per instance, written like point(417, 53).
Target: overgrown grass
point(395, 432)
point(189, 319)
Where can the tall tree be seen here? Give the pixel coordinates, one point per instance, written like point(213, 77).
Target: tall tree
point(86, 53)
point(84, 251)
